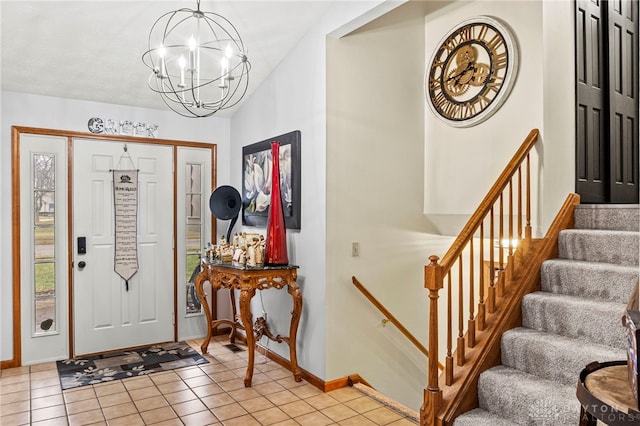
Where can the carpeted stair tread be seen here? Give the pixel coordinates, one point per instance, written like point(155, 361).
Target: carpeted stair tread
point(480, 417)
point(604, 281)
point(617, 247)
point(572, 322)
point(527, 399)
point(571, 316)
point(622, 217)
point(551, 356)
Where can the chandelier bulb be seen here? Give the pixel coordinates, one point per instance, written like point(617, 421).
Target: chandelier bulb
point(182, 64)
point(163, 65)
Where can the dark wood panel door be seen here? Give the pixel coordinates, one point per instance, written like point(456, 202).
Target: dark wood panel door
point(591, 116)
point(623, 97)
point(607, 101)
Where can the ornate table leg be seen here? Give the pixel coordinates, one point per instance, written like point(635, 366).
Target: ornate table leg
point(199, 282)
point(232, 299)
point(296, 295)
point(246, 293)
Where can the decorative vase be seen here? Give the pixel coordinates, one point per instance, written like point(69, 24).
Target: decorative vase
point(276, 242)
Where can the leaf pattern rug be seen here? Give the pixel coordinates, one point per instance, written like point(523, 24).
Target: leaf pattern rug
point(119, 365)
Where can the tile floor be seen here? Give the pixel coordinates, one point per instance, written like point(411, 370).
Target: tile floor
point(211, 394)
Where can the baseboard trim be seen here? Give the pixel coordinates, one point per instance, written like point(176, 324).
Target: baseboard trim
point(329, 386)
point(343, 382)
point(283, 362)
point(9, 363)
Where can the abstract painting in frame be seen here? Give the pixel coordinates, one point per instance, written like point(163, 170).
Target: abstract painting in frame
point(256, 180)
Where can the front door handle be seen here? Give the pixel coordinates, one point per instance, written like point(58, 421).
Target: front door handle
point(82, 264)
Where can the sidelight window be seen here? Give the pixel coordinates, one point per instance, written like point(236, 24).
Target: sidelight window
point(44, 267)
point(194, 209)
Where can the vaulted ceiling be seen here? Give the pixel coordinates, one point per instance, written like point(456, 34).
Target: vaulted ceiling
point(92, 50)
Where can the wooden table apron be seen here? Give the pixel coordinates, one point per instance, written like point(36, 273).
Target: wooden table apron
point(248, 280)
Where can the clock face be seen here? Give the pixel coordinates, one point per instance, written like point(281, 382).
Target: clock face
point(471, 72)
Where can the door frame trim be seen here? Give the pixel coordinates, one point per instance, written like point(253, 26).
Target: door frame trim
point(16, 131)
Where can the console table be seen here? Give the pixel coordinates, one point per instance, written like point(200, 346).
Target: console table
point(248, 280)
point(605, 395)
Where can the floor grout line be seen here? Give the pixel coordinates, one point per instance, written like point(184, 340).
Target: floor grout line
point(360, 414)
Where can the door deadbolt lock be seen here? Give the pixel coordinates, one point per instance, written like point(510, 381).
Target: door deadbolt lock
point(82, 264)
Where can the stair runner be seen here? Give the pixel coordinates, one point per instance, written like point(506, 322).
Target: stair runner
point(572, 321)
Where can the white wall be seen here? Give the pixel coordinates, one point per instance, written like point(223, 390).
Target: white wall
point(463, 163)
point(387, 161)
point(559, 124)
point(543, 98)
point(293, 98)
point(375, 167)
point(20, 109)
point(376, 105)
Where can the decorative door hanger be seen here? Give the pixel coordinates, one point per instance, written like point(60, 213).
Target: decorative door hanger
point(125, 200)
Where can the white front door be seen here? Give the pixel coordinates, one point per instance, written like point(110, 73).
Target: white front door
point(106, 314)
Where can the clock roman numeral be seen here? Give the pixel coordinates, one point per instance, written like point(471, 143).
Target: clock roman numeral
point(468, 110)
point(439, 99)
point(483, 101)
point(493, 86)
point(495, 42)
point(466, 33)
point(500, 61)
point(437, 63)
point(483, 32)
point(450, 44)
point(434, 84)
point(451, 110)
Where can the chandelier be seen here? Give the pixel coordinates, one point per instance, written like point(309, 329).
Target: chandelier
point(198, 62)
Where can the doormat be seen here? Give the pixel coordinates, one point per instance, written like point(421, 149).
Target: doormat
point(120, 365)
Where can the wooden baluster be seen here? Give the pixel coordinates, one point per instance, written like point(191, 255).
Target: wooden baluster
point(519, 238)
point(449, 359)
point(501, 249)
point(481, 305)
point(501, 234)
point(492, 267)
point(500, 279)
point(527, 228)
point(519, 204)
point(433, 394)
point(510, 265)
point(460, 346)
point(471, 327)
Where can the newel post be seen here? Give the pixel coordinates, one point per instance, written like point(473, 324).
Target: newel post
point(433, 394)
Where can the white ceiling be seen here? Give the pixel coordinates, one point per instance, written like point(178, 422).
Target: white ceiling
point(92, 50)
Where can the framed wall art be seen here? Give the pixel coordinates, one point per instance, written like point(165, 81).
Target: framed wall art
point(256, 180)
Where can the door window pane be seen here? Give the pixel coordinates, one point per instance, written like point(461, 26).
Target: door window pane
point(44, 277)
point(193, 225)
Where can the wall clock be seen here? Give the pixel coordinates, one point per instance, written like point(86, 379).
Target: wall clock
point(471, 72)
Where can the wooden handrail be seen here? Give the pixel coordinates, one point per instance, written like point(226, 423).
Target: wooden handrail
point(485, 206)
point(502, 272)
point(388, 315)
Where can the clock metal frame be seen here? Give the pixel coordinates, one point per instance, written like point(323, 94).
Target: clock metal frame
point(461, 88)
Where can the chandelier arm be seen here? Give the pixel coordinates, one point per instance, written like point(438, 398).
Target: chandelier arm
point(227, 105)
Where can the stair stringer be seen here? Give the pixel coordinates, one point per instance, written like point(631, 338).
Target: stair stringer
point(462, 395)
